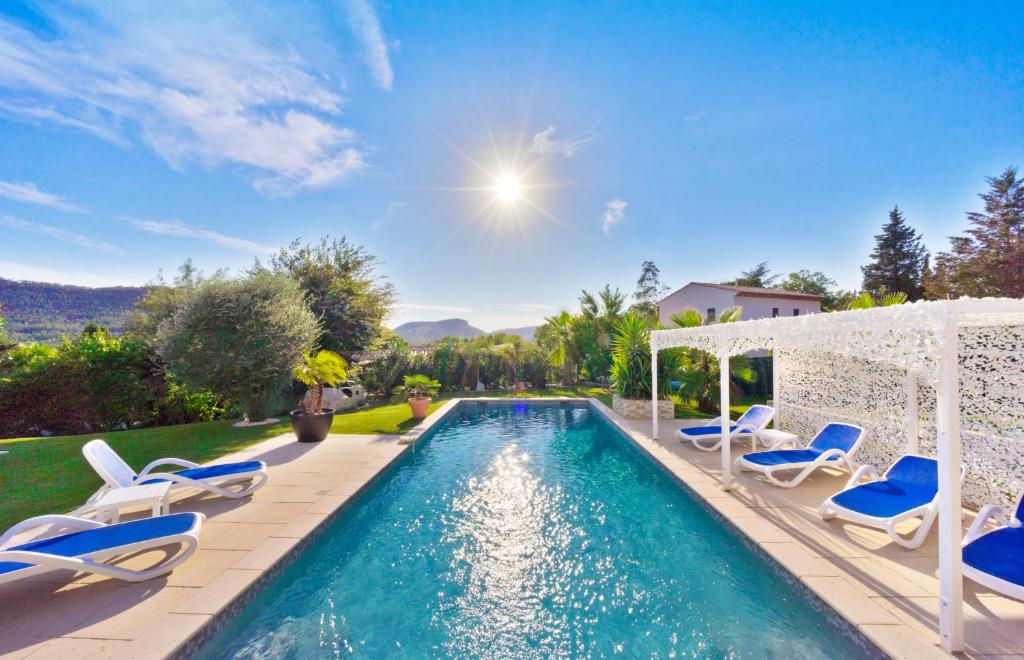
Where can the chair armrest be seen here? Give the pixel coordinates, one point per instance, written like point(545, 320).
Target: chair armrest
point(168, 461)
point(58, 521)
point(862, 471)
point(713, 422)
point(987, 512)
point(829, 453)
point(797, 443)
point(746, 428)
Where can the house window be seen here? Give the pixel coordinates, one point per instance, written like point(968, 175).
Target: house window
point(711, 313)
point(775, 312)
point(796, 312)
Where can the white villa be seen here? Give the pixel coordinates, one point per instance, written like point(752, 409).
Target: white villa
point(757, 303)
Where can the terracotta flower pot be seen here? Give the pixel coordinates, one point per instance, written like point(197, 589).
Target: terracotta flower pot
point(420, 406)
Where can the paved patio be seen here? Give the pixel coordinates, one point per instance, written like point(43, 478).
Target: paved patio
point(56, 616)
point(889, 593)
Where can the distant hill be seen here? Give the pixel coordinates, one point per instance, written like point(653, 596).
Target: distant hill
point(43, 312)
point(525, 332)
point(424, 332)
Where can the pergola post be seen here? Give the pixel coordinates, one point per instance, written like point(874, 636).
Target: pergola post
point(726, 422)
point(777, 421)
point(911, 422)
point(654, 391)
point(951, 588)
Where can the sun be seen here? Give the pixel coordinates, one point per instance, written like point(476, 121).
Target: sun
point(508, 188)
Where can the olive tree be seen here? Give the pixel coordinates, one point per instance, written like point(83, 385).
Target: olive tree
point(240, 338)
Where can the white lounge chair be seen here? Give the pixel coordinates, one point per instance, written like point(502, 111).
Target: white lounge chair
point(835, 446)
point(909, 489)
point(995, 558)
point(91, 543)
point(212, 478)
point(708, 436)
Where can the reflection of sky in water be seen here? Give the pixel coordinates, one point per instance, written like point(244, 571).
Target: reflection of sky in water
point(533, 533)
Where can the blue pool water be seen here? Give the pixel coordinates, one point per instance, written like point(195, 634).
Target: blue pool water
point(521, 531)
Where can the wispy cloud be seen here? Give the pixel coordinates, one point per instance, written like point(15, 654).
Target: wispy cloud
point(31, 272)
point(58, 234)
point(614, 212)
point(182, 230)
point(42, 114)
point(366, 26)
point(199, 84)
point(28, 193)
point(544, 143)
point(393, 209)
point(696, 116)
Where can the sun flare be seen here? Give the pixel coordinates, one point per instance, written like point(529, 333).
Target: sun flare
point(508, 188)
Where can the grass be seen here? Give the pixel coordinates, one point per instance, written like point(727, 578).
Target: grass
point(688, 409)
point(49, 475)
point(395, 418)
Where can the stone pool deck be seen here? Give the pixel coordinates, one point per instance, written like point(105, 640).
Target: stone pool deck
point(889, 594)
point(57, 616)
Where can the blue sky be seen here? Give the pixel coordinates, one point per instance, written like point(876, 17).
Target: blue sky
point(705, 138)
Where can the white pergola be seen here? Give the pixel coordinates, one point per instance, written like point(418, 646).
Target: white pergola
point(924, 343)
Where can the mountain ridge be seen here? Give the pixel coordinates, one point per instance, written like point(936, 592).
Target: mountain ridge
point(45, 312)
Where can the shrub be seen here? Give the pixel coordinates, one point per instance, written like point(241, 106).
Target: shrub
point(182, 405)
point(387, 362)
point(93, 382)
point(631, 360)
point(240, 339)
point(536, 366)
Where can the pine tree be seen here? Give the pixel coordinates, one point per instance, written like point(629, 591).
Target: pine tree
point(897, 261)
point(759, 276)
point(989, 259)
point(649, 290)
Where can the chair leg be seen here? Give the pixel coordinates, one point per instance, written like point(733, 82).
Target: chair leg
point(917, 538)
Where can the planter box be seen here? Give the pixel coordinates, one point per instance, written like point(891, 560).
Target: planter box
point(641, 408)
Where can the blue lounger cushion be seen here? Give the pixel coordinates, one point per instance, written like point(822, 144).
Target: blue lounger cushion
point(837, 436)
point(706, 430)
point(884, 499)
point(999, 553)
point(786, 457)
point(213, 471)
point(75, 544)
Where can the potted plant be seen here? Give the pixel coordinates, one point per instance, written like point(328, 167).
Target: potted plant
point(631, 370)
point(418, 388)
point(312, 422)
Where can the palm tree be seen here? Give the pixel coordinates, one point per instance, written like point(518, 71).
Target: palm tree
point(513, 353)
point(700, 374)
point(565, 353)
point(865, 301)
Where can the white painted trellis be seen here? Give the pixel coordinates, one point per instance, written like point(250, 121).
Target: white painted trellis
point(944, 378)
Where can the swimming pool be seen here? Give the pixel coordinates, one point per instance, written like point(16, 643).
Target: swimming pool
point(528, 530)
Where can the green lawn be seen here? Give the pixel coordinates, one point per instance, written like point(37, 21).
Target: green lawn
point(49, 475)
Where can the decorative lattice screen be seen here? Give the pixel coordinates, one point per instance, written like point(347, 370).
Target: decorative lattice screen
point(852, 366)
point(816, 388)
